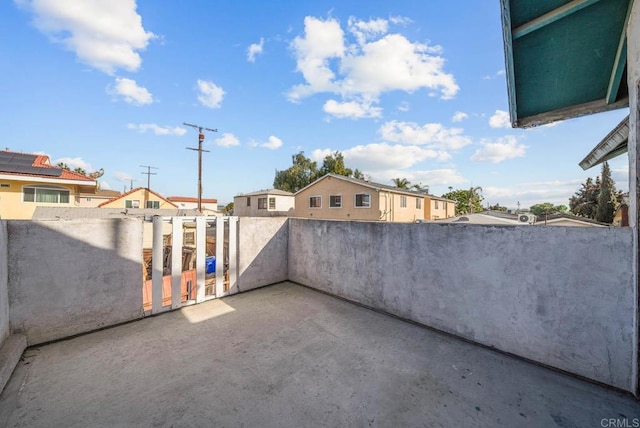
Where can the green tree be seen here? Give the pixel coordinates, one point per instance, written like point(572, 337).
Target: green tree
point(228, 209)
point(334, 164)
point(302, 173)
point(497, 207)
point(607, 197)
point(584, 202)
point(401, 183)
point(546, 208)
point(357, 174)
point(467, 202)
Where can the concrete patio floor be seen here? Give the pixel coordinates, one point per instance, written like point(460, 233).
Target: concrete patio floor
point(288, 356)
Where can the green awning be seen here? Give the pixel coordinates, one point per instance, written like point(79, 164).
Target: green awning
point(564, 58)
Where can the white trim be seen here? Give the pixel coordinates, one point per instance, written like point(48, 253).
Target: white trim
point(404, 200)
point(341, 202)
point(315, 208)
point(29, 178)
point(355, 205)
point(266, 203)
point(59, 188)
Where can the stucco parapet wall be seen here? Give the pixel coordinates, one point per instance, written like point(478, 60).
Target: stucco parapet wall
point(68, 277)
point(560, 296)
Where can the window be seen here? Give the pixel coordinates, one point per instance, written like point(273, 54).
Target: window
point(335, 201)
point(132, 203)
point(248, 201)
point(48, 195)
point(153, 204)
point(272, 203)
point(5, 185)
point(189, 238)
point(403, 202)
point(418, 203)
point(262, 203)
point(88, 199)
point(436, 204)
point(315, 202)
point(363, 200)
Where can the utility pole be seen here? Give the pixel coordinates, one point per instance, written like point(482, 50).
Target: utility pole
point(148, 174)
point(200, 129)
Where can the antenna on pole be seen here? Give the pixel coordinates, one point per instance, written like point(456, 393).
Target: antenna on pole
point(200, 129)
point(148, 174)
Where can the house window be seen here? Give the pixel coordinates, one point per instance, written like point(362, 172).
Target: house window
point(418, 203)
point(436, 204)
point(132, 203)
point(88, 199)
point(363, 200)
point(272, 203)
point(315, 202)
point(248, 201)
point(48, 195)
point(5, 185)
point(262, 203)
point(403, 202)
point(335, 201)
point(153, 204)
point(189, 238)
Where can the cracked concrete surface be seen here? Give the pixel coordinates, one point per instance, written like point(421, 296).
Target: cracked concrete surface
point(288, 356)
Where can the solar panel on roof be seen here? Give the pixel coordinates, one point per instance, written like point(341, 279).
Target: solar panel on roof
point(21, 163)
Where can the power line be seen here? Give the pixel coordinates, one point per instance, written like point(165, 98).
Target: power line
point(200, 129)
point(148, 174)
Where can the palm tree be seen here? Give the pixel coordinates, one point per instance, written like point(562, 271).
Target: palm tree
point(474, 196)
point(401, 183)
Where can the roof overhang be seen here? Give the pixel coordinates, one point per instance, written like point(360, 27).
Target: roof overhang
point(35, 179)
point(564, 59)
point(611, 146)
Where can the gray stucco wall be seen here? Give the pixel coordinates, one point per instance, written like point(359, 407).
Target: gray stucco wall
point(561, 296)
point(4, 291)
point(262, 251)
point(73, 276)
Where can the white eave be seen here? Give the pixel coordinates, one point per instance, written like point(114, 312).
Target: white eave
point(614, 144)
point(36, 179)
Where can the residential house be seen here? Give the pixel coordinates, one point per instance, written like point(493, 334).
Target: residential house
point(139, 198)
point(93, 199)
point(209, 205)
point(336, 197)
point(564, 219)
point(29, 180)
point(264, 203)
point(436, 208)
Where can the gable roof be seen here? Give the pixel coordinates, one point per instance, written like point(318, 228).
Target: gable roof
point(275, 192)
point(374, 186)
point(34, 165)
point(134, 191)
point(564, 58)
point(611, 146)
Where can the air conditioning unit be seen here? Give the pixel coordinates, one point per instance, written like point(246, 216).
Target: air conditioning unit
point(526, 218)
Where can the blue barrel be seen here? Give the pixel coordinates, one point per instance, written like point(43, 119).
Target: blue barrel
point(210, 264)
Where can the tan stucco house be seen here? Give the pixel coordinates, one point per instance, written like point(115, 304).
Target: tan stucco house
point(95, 198)
point(29, 180)
point(139, 198)
point(337, 197)
point(264, 203)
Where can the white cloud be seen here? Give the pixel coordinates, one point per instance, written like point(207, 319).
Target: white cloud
point(74, 163)
point(157, 129)
point(130, 92)
point(404, 106)
point(433, 135)
point(123, 176)
point(210, 95)
point(401, 20)
point(272, 144)
point(106, 35)
point(493, 76)
point(557, 192)
point(499, 150)
point(381, 156)
point(435, 177)
point(255, 49)
point(375, 64)
point(500, 119)
point(227, 140)
point(459, 116)
point(351, 109)
point(104, 185)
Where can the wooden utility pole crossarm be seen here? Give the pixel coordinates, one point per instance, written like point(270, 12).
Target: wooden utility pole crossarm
point(200, 129)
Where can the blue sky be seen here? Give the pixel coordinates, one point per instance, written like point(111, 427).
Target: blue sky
point(404, 89)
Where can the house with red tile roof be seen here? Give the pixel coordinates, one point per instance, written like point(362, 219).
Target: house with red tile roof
point(29, 180)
